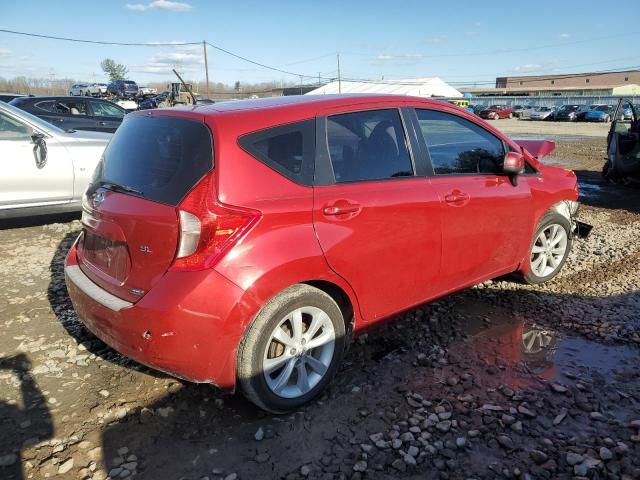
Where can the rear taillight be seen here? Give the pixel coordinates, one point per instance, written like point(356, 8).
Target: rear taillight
point(208, 228)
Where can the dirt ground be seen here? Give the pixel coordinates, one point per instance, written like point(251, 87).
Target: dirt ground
point(498, 381)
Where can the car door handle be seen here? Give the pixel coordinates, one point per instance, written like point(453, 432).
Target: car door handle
point(456, 197)
point(341, 209)
point(102, 123)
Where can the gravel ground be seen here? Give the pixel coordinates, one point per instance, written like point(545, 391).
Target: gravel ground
point(498, 381)
point(525, 127)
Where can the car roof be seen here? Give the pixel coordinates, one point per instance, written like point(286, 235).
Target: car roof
point(317, 101)
point(61, 97)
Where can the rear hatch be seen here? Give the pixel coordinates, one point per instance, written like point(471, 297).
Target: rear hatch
point(130, 219)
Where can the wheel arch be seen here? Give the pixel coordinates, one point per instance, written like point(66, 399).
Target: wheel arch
point(256, 297)
point(341, 297)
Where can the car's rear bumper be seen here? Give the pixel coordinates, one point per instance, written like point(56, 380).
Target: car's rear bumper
point(189, 324)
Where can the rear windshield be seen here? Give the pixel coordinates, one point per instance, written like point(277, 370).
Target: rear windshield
point(160, 157)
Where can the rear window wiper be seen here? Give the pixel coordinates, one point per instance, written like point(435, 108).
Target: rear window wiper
point(120, 188)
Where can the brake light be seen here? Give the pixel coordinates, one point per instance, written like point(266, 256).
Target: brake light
point(208, 229)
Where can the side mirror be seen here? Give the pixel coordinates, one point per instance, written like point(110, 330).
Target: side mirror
point(513, 166)
point(39, 149)
point(513, 163)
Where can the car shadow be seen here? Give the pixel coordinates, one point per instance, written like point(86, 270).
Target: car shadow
point(37, 221)
point(196, 432)
point(595, 191)
point(24, 421)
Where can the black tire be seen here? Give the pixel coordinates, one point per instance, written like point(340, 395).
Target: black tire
point(250, 373)
point(549, 219)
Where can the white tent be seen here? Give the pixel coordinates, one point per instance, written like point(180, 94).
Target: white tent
point(417, 87)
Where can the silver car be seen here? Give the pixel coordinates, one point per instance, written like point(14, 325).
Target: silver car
point(44, 169)
point(541, 113)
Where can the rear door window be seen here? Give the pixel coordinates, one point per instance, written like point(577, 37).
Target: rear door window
point(161, 157)
point(47, 106)
point(458, 146)
point(289, 149)
point(69, 107)
point(368, 145)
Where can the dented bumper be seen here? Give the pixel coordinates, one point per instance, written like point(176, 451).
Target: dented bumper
point(188, 325)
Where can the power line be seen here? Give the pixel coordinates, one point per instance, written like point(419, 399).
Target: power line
point(98, 42)
point(155, 44)
point(275, 69)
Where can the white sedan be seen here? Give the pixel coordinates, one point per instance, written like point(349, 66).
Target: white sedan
point(97, 89)
point(45, 169)
point(79, 89)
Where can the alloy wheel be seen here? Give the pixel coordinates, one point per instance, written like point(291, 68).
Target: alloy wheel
point(299, 352)
point(548, 250)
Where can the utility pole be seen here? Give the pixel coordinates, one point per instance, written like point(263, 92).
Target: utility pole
point(206, 67)
point(52, 76)
point(319, 78)
point(339, 76)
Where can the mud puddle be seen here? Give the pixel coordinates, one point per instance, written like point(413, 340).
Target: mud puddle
point(527, 355)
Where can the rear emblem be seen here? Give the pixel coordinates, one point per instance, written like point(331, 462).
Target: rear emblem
point(144, 249)
point(97, 198)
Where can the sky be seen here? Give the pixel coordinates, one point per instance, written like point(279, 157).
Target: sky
point(459, 41)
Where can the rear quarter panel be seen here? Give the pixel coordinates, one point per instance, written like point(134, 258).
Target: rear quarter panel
point(282, 248)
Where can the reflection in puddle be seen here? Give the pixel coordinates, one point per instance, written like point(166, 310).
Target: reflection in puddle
point(524, 353)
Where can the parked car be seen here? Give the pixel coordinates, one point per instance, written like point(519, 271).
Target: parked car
point(519, 110)
point(477, 109)
point(542, 113)
point(74, 113)
point(627, 112)
point(622, 164)
point(567, 113)
point(123, 88)
point(494, 112)
point(147, 91)
point(7, 96)
point(248, 258)
point(601, 113)
point(525, 112)
point(98, 89)
point(79, 89)
point(582, 111)
point(127, 104)
point(45, 169)
point(151, 101)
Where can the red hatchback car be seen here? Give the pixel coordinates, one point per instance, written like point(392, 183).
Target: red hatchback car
point(243, 243)
point(494, 112)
